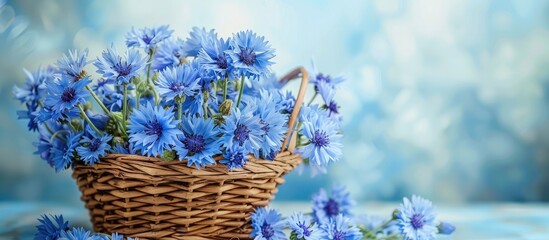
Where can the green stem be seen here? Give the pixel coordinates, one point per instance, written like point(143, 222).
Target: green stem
point(312, 99)
point(56, 134)
point(149, 66)
point(225, 88)
point(382, 226)
point(72, 126)
point(125, 105)
point(137, 100)
point(83, 113)
point(241, 90)
point(105, 109)
point(155, 94)
point(48, 128)
point(180, 110)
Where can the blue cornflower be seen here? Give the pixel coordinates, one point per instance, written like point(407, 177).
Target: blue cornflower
point(243, 129)
point(250, 54)
point(416, 219)
point(198, 37)
point(62, 152)
point(64, 95)
point(273, 124)
point(124, 149)
point(323, 136)
point(50, 228)
point(46, 113)
point(120, 68)
point(34, 87)
point(234, 157)
point(98, 119)
point(213, 57)
point(92, 146)
point(340, 228)
point(116, 236)
point(446, 228)
point(316, 77)
point(29, 114)
point(73, 65)
point(326, 207)
point(327, 92)
point(147, 38)
point(267, 82)
point(178, 82)
point(78, 233)
point(45, 142)
point(303, 227)
point(153, 129)
point(198, 142)
point(285, 101)
point(206, 76)
point(193, 105)
point(103, 87)
point(169, 54)
point(267, 225)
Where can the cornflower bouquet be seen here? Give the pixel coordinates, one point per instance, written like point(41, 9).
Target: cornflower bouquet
point(177, 127)
point(186, 100)
point(332, 218)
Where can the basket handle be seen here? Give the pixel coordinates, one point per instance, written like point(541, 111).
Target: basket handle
point(298, 102)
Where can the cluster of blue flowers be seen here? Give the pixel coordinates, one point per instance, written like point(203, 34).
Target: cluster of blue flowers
point(332, 219)
point(165, 97)
point(55, 227)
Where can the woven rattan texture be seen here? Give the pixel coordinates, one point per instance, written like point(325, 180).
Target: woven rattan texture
point(153, 199)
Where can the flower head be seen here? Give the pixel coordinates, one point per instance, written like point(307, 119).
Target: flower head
point(446, 228)
point(169, 54)
point(316, 77)
point(29, 114)
point(416, 219)
point(340, 228)
point(92, 146)
point(45, 141)
point(62, 152)
point(153, 129)
point(178, 82)
point(303, 227)
point(213, 57)
point(243, 129)
point(120, 68)
point(198, 37)
point(199, 142)
point(327, 206)
point(147, 38)
point(327, 92)
point(323, 136)
point(234, 157)
point(267, 225)
point(64, 95)
point(34, 87)
point(50, 228)
point(250, 54)
point(72, 66)
point(78, 233)
point(273, 124)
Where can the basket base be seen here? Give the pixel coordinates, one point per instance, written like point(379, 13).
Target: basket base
point(152, 199)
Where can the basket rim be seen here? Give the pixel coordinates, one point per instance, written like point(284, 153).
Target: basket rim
point(283, 163)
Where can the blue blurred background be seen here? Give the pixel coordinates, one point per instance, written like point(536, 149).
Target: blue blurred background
point(446, 99)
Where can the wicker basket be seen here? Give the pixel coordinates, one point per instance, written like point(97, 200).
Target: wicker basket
point(149, 198)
